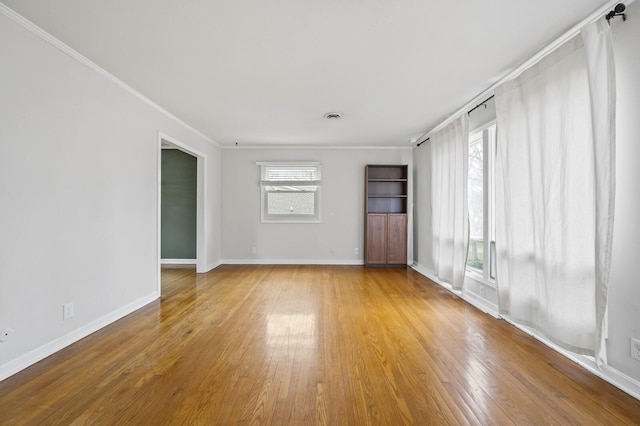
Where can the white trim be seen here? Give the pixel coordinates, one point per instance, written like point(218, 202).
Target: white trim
point(608, 373)
point(620, 380)
point(476, 276)
point(288, 220)
point(212, 266)
point(38, 354)
point(473, 299)
point(201, 213)
point(159, 218)
point(36, 30)
point(288, 163)
point(316, 217)
point(481, 303)
point(178, 261)
point(292, 262)
point(575, 30)
point(430, 274)
point(201, 200)
point(289, 147)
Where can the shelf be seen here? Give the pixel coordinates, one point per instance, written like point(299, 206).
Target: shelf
point(386, 187)
point(386, 205)
point(386, 172)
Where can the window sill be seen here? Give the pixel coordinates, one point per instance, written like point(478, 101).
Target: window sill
point(476, 276)
point(290, 221)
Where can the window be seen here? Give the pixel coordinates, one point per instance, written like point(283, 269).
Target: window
point(480, 190)
point(290, 192)
point(475, 190)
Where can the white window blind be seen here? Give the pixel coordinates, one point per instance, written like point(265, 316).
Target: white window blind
point(298, 174)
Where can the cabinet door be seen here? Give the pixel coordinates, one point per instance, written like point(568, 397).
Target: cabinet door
point(397, 239)
point(376, 238)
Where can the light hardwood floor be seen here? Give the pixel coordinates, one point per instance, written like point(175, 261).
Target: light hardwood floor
point(309, 345)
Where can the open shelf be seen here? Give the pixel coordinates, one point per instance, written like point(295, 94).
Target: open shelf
point(386, 188)
point(386, 172)
point(388, 205)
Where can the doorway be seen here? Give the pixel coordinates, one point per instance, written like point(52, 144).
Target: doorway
point(181, 240)
point(178, 190)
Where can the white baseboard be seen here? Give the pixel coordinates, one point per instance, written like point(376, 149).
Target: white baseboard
point(178, 261)
point(621, 381)
point(211, 266)
point(431, 275)
point(38, 354)
point(481, 303)
point(477, 301)
point(608, 373)
point(292, 261)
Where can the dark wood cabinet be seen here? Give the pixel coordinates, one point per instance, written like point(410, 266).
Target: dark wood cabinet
point(397, 239)
point(386, 214)
point(376, 235)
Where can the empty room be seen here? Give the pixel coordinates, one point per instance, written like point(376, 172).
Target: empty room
point(335, 212)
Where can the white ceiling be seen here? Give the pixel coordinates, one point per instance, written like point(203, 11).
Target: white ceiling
point(262, 72)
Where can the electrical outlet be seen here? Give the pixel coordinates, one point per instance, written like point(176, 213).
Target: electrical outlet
point(67, 310)
point(356, 250)
point(5, 334)
point(253, 250)
point(635, 349)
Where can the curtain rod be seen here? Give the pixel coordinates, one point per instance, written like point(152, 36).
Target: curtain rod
point(601, 12)
point(480, 104)
point(468, 112)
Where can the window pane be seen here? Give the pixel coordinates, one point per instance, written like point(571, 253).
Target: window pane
point(475, 257)
point(290, 203)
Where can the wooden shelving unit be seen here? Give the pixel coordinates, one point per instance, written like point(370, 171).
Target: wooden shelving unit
point(386, 214)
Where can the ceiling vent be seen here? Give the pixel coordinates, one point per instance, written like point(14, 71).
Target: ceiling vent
point(333, 115)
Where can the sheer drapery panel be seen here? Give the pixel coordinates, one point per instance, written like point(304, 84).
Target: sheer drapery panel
point(555, 189)
point(449, 203)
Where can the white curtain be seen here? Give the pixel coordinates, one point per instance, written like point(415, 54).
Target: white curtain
point(555, 192)
point(449, 211)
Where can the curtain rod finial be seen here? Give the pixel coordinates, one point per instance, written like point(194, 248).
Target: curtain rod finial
point(617, 11)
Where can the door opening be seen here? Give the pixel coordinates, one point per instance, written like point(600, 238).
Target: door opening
point(181, 205)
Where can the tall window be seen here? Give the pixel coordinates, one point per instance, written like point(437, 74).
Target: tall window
point(290, 192)
point(480, 192)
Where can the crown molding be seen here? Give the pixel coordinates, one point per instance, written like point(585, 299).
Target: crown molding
point(322, 147)
point(39, 32)
point(513, 73)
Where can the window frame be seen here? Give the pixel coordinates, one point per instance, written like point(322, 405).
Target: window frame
point(316, 173)
point(489, 150)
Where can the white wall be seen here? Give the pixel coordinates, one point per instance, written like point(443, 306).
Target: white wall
point(342, 206)
point(422, 254)
point(78, 197)
point(624, 290)
point(624, 294)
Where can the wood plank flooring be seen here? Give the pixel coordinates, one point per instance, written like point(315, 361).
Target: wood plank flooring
point(335, 345)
